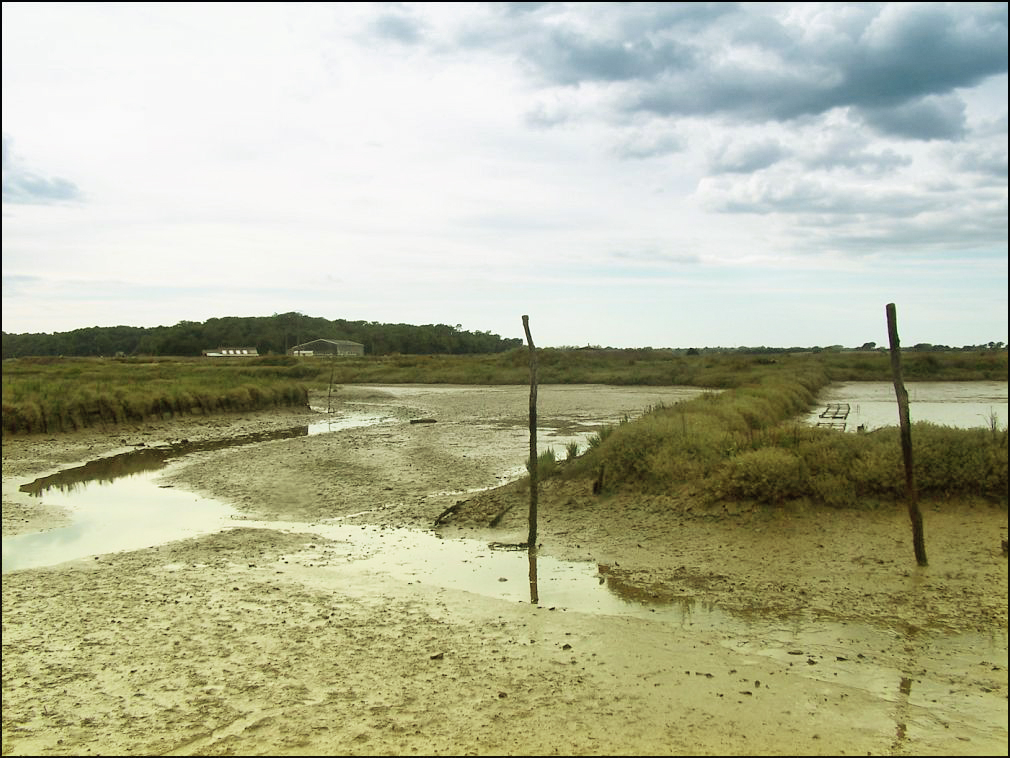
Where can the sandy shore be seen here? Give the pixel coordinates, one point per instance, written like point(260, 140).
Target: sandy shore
point(757, 631)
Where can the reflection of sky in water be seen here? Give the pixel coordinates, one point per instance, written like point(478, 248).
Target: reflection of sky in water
point(337, 423)
point(128, 513)
point(116, 504)
point(958, 404)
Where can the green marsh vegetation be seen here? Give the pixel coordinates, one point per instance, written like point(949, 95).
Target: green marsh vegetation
point(53, 395)
point(741, 443)
point(745, 444)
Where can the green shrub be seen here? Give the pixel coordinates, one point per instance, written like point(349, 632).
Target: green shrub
point(768, 475)
point(833, 489)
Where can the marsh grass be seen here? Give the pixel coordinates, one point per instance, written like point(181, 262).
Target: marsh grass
point(65, 395)
point(547, 464)
point(745, 445)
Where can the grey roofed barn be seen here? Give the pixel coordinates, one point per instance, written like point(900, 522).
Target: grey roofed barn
point(328, 347)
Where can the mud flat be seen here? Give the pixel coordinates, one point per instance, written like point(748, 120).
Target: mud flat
point(323, 618)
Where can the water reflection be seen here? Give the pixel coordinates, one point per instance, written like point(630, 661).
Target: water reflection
point(116, 515)
point(116, 504)
point(106, 470)
point(872, 405)
point(534, 594)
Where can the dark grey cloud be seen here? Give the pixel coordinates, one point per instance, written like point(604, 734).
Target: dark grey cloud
point(23, 186)
point(897, 65)
point(929, 118)
point(912, 50)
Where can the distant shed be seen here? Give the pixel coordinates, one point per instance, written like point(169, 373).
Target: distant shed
point(328, 347)
point(232, 352)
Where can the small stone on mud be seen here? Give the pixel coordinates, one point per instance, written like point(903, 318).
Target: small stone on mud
point(438, 656)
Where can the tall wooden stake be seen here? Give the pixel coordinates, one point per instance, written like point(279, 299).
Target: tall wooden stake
point(534, 474)
point(918, 540)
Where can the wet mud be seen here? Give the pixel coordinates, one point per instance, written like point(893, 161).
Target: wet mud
point(322, 613)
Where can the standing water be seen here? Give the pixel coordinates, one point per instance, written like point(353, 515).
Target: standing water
point(872, 405)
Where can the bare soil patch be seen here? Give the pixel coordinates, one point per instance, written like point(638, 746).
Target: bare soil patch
point(262, 641)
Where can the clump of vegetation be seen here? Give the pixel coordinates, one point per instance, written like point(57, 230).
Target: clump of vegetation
point(547, 464)
point(744, 444)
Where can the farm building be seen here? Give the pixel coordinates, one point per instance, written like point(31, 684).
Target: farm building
point(328, 347)
point(232, 352)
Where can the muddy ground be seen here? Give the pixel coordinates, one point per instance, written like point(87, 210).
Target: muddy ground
point(776, 631)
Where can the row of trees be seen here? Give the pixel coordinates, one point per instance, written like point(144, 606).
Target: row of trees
point(268, 334)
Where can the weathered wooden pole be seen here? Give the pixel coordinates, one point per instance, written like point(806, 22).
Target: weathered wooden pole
point(534, 473)
point(911, 497)
point(329, 391)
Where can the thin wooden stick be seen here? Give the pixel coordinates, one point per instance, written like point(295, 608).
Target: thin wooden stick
point(918, 540)
point(534, 478)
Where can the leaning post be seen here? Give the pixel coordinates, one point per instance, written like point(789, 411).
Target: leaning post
point(534, 478)
point(918, 541)
point(531, 540)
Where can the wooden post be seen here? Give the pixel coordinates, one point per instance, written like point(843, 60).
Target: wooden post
point(329, 391)
point(534, 473)
point(918, 540)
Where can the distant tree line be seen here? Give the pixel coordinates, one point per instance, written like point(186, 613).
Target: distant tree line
point(274, 334)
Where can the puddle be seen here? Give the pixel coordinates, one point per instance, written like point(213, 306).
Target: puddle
point(116, 504)
point(873, 405)
point(106, 470)
point(128, 513)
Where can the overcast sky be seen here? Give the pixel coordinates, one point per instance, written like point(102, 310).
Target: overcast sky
point(629, 174)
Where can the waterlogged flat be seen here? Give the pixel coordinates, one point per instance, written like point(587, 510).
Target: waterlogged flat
point(328, 617)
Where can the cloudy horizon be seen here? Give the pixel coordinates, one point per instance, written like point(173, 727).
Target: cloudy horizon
point(671, 174)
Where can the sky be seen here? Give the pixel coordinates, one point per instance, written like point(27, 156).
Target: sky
point(626, 174)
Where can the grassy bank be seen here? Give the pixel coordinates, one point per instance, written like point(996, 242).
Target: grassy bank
point(59, 395)
point(745, 444)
